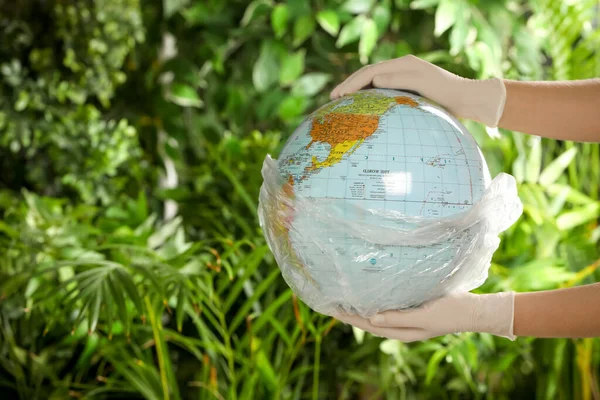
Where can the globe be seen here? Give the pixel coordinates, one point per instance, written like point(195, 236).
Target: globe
point(370, 168)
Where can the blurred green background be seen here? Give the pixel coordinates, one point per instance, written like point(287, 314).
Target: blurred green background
point(132, 134)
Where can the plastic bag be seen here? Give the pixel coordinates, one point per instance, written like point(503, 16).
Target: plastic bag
point(382, 260)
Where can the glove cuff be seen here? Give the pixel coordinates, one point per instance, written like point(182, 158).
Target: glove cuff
point(484, 100)
point(497, 314)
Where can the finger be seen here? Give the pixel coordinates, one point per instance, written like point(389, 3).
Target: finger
point(335, 93)
point(364, 324)
point(361, 79)
point(409, 335)
point(403, 334)
point(401, 81)
point(364, 77)
point(401, 319)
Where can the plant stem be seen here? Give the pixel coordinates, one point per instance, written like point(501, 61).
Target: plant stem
point(230, 357)
point(159, 349)
point(286, 370)
point(317, 367)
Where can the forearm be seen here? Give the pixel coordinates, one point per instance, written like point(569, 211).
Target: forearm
point(563, 313)
point(564, 110)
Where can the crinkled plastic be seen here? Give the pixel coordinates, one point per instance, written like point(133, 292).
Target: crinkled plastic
point(335, 264)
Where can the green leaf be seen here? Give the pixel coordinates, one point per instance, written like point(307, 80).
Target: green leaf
point(278, 325)
point(254, 10)
point(95, 314)
point(359, 334)
point(357, 6)
point(292, 67)
point(108, 307)
point(518, 166)
point(22, 101)
point(91, 348)
point(250, 264)
point(309, 84)
point(272, 309)
point(460, 32)
point(179, 313)
point(184, 95)
point(143, 377)
point(538, 275)
point(351, 31)
point(244, 309)
point(382, 17)
point(420, 4)
point(558, 203)
point(117, 295)
point(167, 378)
point(534, 160)
point(368, 39)
point(434, 362)
point(461, 366)
point(595, 236)
point(527, 56)
point(279, 19)
point(266, 68)
point(263, 364)
point(7, 229)
point(402, 48)
point(237, 184)
point(170, 7)
point(167, 230)
point(554, 170)
point(573, 196)
point(329, 21)
point(197, 14)
point(390, 347)
point(303, 28)
point(505, 361)
point(579, 216)
point(383, 51)
point(291, 107)
point(445, 16)
point(129, 287)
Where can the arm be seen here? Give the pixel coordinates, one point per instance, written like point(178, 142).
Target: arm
point(567, 110)
point(565, 313)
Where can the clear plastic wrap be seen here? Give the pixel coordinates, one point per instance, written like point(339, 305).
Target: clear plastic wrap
point(381, 260)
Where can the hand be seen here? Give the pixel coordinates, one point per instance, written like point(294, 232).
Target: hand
point(465, 312)
point(479, 100)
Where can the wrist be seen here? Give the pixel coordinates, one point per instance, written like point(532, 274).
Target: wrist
point(494, 314)
point(483, 100)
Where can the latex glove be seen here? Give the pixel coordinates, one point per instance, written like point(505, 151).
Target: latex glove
point(479, 100)
point(466, 312)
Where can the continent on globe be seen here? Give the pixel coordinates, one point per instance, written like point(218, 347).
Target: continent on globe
point(345, 128)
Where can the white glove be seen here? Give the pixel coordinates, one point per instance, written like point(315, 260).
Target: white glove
point(479, 100)
point(465, 312)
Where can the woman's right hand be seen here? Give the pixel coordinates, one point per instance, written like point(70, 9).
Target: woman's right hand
point(479, 100)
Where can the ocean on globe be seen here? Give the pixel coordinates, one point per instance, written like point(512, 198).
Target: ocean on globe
point(375, 154)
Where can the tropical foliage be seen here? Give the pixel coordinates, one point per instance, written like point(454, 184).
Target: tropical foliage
point(131, 140)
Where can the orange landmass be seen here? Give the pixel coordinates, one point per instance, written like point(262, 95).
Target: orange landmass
point(346, 128)
point(336, 128)
point(343, 133)
point(407, 101)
